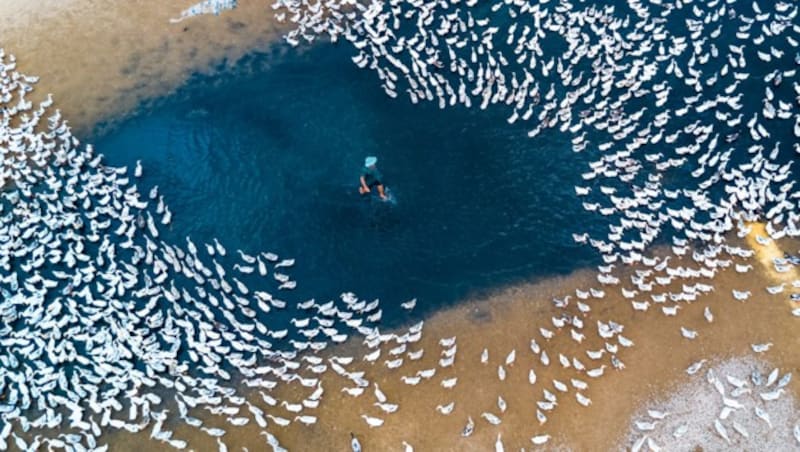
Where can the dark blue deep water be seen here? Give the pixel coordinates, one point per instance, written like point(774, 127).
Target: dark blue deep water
point(267, 159)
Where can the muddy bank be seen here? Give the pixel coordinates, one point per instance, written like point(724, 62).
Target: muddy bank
point(101, 60)
point(507, 321)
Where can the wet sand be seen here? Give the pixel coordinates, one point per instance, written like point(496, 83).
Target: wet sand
point(766, 254)
point(507, 320)
point(696, 404)
point(102, 59)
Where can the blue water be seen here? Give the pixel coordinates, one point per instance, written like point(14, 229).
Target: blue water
point(267, 158)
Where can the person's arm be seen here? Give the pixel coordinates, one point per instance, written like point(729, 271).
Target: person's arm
point(364, 186)
point(380, 191)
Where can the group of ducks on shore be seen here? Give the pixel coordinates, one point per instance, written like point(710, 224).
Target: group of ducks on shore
point(102, 315)
point(688, 110)
point(738, 408)
point(105, 324)
point(205, 7)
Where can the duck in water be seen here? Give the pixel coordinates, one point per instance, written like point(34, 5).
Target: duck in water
point(371, 178)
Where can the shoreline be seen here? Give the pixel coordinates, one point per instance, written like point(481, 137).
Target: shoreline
point(503, 320)
point(506, 320)
point(103, 60)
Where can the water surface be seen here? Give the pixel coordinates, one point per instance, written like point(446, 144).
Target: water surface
point(268, 159)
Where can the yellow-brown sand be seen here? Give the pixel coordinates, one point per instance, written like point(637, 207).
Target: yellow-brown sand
point(766, 254)
point(101, 59)
point(507, 321)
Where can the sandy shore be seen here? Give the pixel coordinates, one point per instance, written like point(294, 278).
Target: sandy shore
point(689, 418)
point(101, 59)
point(507, 321)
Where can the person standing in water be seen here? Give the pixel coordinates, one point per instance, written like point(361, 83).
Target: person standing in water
point(371, 178)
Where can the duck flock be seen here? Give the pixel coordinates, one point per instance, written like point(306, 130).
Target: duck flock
point(737, 404)
point(107, 326)
point(215, 7)
point(688, 111)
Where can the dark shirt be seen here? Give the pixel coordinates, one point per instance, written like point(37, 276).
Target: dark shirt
point(372, 176)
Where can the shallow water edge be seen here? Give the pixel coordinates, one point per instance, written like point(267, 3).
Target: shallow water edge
point(101, 60)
